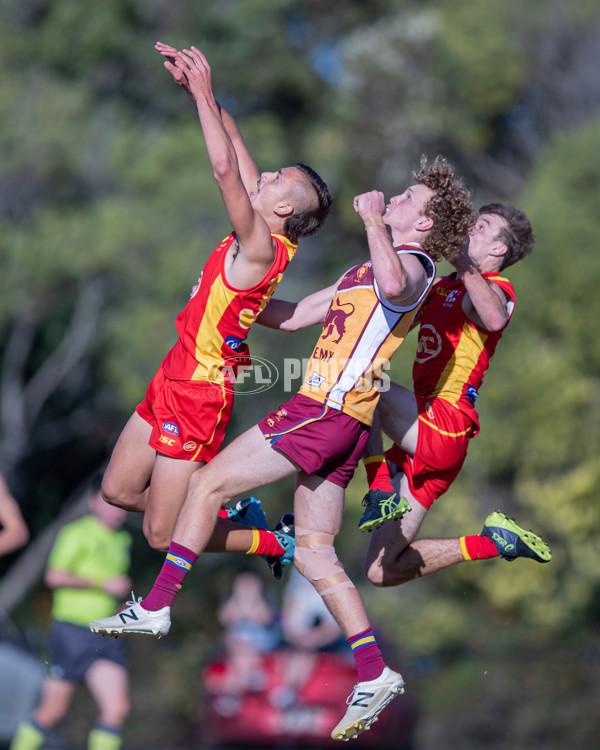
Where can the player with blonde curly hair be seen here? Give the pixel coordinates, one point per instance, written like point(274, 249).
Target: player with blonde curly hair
point(449, 208)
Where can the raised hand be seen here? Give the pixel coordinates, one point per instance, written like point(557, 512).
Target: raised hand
point(170, 55)
point(372, 202)
point(192, 64)
point(462, 262)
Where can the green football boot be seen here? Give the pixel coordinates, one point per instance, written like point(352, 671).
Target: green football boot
point(512, 541)
point(381, 506)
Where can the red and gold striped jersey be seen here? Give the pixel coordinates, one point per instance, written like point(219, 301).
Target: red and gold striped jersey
point(360, 334)
point(453, 354)
point(214, 324)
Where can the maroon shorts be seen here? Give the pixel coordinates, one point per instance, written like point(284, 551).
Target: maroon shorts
point(321, 440)
point(188, 418)
point(442, 444)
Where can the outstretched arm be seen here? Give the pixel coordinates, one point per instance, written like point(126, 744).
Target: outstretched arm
point(256, 250)
point(292, 316)
point(248, 169)
point(485, 303)
point(400, 280)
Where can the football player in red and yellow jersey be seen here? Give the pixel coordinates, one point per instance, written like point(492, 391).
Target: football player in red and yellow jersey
point(320, 433)
point(182, 421)
point(461, 323)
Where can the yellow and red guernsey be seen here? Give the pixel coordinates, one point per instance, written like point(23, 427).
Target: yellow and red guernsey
point(360, 334)
point(214, 324)
point(453, 354)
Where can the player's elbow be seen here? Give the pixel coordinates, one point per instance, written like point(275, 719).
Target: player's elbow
point(391, 288)
point(402, 287)
point(495, 322)
point(290, 325)
point(224, 168)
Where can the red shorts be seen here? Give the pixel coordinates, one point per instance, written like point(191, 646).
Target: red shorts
point(188, 418)
point(321, 440)
point(442, 444)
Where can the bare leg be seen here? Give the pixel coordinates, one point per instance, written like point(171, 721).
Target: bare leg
point(54, 704)
point(426, 556)
point(398, 415)
point(319, 506)
point(394, 558)
point(230, 537)
point(139, 479)
point(108, 683)
point(375, 441)
point(127, 476)
point(245, 464)
point(168, 490)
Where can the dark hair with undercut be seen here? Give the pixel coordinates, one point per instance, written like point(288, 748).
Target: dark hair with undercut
point(309, 220)
point(517, 234)
point(450, 208)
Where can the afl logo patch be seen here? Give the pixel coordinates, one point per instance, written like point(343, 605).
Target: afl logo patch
point(190, 446)
point(171, 428)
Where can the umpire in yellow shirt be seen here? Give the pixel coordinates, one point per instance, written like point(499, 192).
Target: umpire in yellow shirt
point(87, 572)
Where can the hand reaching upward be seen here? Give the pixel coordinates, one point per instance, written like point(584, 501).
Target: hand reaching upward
point(189, 68)
point(170, 55)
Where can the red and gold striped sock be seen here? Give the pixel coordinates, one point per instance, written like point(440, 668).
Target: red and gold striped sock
point(264, 542)
point(476, 547)
point(378, 473)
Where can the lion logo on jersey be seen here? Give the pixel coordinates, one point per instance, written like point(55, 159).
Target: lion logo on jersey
point(335, 322)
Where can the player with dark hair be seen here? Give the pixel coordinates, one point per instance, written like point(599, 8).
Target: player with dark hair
point(182, 421)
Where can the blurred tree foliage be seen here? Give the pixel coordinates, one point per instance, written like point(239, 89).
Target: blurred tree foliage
point(108, 210)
